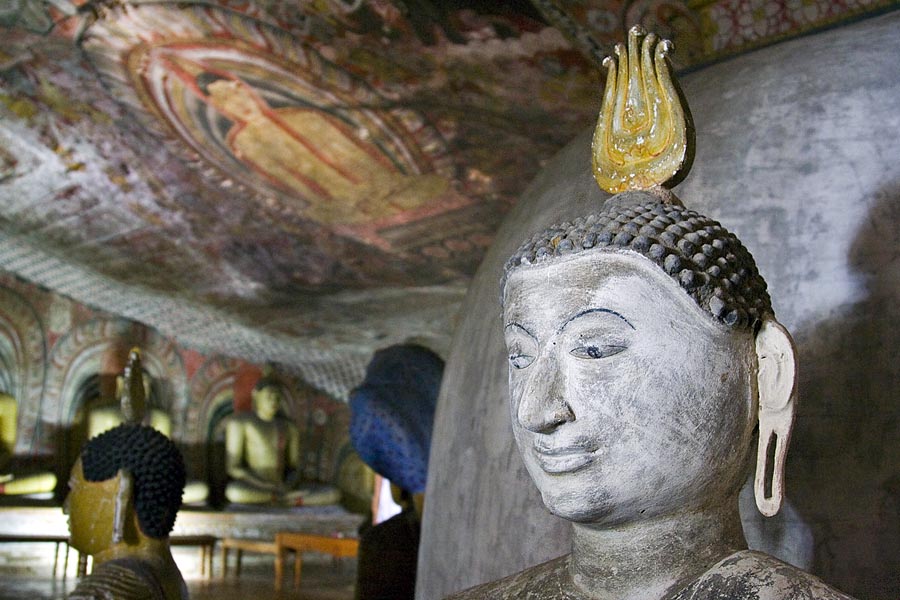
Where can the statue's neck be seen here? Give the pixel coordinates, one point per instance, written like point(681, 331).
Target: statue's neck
point(147, 548)
point(653, 558)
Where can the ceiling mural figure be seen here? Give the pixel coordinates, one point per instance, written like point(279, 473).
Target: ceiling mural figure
point(303, 181)
point(331, 164)
point(270, 114)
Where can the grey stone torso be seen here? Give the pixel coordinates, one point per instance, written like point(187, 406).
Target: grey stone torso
point(745, 575)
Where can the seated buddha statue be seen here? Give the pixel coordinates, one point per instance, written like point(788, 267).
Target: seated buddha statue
point(644, 354)
point(262, 455)
point(124, 493)
point(15, 482)
point(103, 416)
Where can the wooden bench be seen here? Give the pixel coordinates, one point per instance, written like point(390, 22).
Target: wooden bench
point(242, 545)
point(298, 543)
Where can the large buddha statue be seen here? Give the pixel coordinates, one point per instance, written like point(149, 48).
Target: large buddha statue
point(644, 357)
point(12, 481)
point(262, 455)
point(124, 493)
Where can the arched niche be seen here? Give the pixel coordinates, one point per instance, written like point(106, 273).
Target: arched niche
point(87, 359)
point(23, 358)
point(215, 376)
point(203, 442)
point(327, 453)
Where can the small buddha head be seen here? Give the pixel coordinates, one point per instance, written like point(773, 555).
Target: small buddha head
point(125, 487)
point(266, 397)
point(643, 353)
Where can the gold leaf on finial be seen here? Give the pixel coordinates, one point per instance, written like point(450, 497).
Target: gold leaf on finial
point(133, 402)
point(644, 136)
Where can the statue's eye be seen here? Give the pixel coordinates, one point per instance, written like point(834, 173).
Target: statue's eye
point(521, 346)
point(591, 351)
point(520, 360)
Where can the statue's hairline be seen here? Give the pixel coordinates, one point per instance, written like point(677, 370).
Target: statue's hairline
point(601, 250)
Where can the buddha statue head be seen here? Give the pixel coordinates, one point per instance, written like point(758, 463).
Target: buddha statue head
point(125, 490)
point(126, 486)
point(266, 398)
point(643, 349)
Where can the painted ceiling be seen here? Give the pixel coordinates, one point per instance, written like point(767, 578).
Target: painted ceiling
point(304, 181)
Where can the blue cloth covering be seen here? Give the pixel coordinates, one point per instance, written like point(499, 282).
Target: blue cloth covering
point(392, 413)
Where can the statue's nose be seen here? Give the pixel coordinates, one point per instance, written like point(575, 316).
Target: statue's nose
point(542, 405)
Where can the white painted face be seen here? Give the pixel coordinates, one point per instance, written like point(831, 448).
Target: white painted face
point(627, 400)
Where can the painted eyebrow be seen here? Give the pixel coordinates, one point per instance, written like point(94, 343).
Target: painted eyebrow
point(593, 310)
point(522, 327)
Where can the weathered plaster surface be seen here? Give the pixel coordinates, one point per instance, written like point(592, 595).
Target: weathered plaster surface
point(795, 155)
point(121, 152)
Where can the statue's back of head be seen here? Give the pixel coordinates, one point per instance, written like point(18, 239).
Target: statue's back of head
point(392, 413)
point(156, 468)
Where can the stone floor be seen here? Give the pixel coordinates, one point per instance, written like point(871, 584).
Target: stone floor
point(26, 574)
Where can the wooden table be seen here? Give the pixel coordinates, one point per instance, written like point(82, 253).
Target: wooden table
point(242, 545)
point(53, 539)
point(207, 545)
point(298, 543)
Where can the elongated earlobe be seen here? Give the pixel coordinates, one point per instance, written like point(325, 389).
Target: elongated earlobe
point(777, 378)
point(123, 502)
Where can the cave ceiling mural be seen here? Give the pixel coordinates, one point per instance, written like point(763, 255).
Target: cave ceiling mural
point(303, 182)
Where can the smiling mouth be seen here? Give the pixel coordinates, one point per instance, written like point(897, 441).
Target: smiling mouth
point(564, 460)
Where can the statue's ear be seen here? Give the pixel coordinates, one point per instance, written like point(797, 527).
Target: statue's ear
point(777, 379)
point(124, 506)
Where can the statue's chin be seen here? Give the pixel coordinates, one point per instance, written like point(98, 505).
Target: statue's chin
point(578, 507)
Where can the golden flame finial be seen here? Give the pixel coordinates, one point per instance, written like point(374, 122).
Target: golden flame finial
point(644, 136)
point(133, 402)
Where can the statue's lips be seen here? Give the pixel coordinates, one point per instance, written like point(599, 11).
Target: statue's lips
point(564, 459)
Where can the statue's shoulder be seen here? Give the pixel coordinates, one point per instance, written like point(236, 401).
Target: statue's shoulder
point(123, 579)
point(239, 419)
point(546, 581)
point(750, 574)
